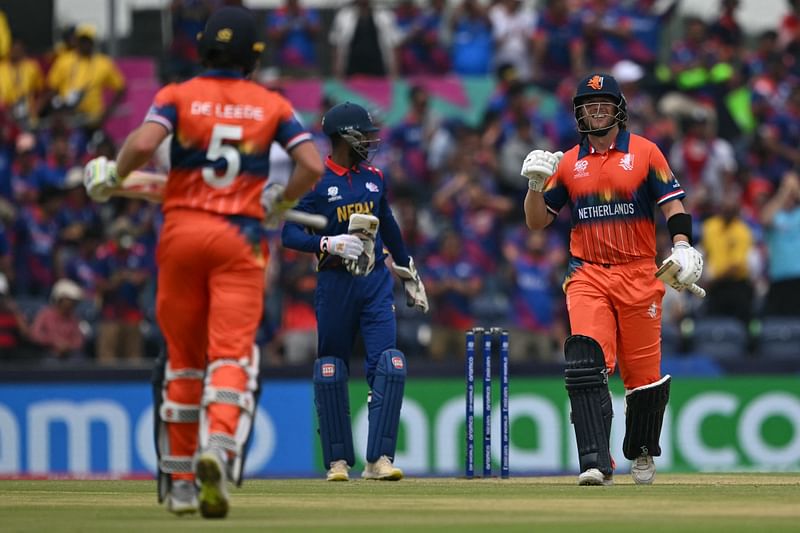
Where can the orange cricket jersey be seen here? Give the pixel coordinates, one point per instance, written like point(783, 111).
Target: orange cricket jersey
point(612, 197)
point(223, 126)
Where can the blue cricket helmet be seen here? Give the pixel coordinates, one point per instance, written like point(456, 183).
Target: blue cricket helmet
point(352, 123)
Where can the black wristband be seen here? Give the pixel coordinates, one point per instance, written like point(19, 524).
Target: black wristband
point(680, 224)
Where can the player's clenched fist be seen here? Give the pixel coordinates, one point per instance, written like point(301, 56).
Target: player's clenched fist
point(100, 178)
point(691, 263)
point(274, 204)
point(538, 166)
point(346, 246)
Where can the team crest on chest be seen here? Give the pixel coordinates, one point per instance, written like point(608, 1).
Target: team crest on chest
point(580, 169)
point(626, 162)
point(371, 187)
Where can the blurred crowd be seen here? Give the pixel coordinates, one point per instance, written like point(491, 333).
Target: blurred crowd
point(78, 278)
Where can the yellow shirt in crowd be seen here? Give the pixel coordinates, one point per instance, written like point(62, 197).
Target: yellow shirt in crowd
point(5, 35)
point(20, 80)
point(73, 75)
point(727, 247)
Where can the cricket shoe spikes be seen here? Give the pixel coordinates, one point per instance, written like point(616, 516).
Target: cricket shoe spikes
point(382, 470)
point(211, 476)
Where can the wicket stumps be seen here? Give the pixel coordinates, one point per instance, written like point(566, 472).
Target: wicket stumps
point(474, 337)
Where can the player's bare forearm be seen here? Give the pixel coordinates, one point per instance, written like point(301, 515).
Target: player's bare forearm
point(536, 214)
point(307, 171)
point(139, 147)
point(673, 208)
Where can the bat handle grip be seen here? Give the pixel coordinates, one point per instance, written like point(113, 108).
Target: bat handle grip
point(698, 291)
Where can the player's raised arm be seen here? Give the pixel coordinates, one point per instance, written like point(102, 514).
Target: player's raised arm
point(538, 167)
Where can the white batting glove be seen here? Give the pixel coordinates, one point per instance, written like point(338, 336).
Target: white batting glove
point(345, 246)
point(412, 284)
point(274, 204)
point(100, 178)
point(690, 261)
point(538, 166)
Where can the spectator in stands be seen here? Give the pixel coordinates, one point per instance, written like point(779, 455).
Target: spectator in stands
point(294, 30)
point(21, 82)
point(122, 270)
point(77, 81)
point(534, 304)
point(781, 218)
point(58, 162)
point(409, 141)
point(513, 24)
point(558, 49)
point(79, 266)
point(513, 150)
point(364, 40)
point(6, 267)
point(692, 57)
point(27, 173)
point(472, 46)
point(789, 30)
point(5, 35)
point(728, 243)
point(726, 29)
point(422, 50)
point(56, 327)
point(701, 158)
point(14, 330)
point(607, 32)
point(188, 18)
point(452, 283)
point(782, 133)
point(646, 28)
point(36, 243)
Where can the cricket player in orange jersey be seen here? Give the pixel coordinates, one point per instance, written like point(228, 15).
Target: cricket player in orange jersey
point(211, 254)
point(612, 181)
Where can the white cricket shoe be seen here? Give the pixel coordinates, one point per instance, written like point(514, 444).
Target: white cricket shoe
point(593, 476)
point(182, 497)
point(643, 470)
point(339, 471)
point(382, 470)
point(211, 476)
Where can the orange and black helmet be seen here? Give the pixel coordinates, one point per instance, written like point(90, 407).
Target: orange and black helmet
point(231, 32)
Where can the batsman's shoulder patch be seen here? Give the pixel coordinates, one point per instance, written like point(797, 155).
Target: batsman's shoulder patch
point(328, 370)
point(397, 362)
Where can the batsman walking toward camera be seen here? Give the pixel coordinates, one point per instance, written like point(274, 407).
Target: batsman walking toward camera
point(212, 254)
point(354, 294)
point(612, 181)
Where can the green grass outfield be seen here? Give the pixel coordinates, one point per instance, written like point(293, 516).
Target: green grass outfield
point(684, 503)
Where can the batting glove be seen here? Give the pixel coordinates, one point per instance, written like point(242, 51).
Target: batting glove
point(346, 246)
point(274, 204)
point(538, 166)
point(690, 261)
point(100, 178)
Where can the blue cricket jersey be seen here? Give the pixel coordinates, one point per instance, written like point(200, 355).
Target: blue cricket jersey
point(340, 193)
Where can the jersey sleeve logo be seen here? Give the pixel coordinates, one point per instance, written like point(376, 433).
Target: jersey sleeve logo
point(371, 187)
point(626, 162)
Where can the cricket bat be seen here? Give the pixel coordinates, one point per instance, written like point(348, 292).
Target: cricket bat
point(150, 186)
point(667, 274)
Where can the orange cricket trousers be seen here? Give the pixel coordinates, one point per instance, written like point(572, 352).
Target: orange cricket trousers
point(209, 305)
point(620, 307)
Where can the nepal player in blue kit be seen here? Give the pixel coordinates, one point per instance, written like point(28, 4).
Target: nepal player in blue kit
point(354, 294)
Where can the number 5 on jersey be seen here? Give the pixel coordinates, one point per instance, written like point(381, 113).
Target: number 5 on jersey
point(217, 150)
